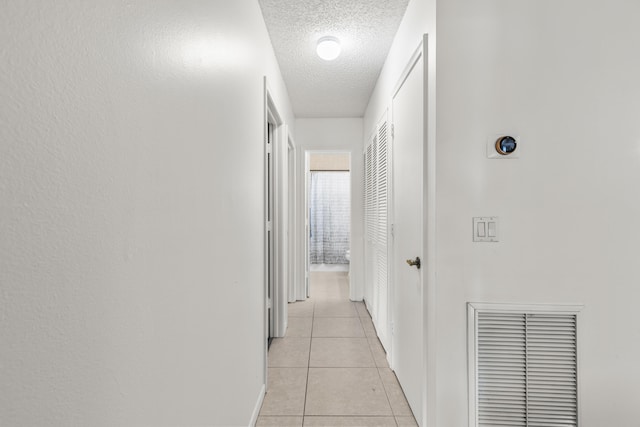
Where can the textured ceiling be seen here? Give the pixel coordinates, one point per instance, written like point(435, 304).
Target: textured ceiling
point(339, 88)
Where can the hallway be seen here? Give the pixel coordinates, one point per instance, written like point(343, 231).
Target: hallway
point(330, 369)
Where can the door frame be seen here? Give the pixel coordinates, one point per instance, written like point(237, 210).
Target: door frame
point(292, 223)
point(275, 254)
point(429, 238)
point(307, 183)
point(428, 278)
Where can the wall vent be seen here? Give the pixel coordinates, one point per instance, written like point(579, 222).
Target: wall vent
point(523, 365)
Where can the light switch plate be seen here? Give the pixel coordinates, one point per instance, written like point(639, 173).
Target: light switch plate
point(485, 229)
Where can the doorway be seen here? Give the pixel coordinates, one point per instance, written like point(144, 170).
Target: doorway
point(276, 195)
point(328, 212)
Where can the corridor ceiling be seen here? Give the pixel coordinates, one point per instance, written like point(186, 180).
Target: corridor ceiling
point(339, 88)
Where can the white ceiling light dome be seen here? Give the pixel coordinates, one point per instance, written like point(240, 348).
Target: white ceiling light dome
point(328, 48)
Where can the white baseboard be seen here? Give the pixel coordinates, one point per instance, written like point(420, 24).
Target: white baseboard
point(256, 410)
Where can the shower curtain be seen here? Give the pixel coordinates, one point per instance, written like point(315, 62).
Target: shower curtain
point(329, 217)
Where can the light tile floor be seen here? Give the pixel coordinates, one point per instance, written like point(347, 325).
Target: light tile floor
point(330, 369)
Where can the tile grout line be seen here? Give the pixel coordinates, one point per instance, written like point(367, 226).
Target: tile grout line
point(306, 387)
point(386, 393)
point(371, 352)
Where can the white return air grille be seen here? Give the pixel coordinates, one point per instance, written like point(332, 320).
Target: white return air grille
point(523, 366)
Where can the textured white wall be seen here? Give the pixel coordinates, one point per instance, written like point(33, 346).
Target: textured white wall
point(131, 215)
point(562, 76)
point(341, 134)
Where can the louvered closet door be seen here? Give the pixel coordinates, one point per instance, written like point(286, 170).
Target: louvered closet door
point(526, 373)
point(372, 225)
point(382, 185)
point(376, 182)
point(369, 194)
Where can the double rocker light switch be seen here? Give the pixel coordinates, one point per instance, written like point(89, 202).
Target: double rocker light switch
point(485, 229)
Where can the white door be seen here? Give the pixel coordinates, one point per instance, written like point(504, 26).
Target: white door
point(407, 326)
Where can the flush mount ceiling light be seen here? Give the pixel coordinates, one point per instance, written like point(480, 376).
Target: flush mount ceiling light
point(328, 48)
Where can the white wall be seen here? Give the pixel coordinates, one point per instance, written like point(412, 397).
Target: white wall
point(131, 215)
point(562, 76)
point(419, 19)
point(339, 134)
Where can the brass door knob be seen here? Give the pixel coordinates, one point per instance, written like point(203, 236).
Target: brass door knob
point(415, 262)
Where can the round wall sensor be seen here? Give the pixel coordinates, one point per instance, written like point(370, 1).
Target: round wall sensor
point(506, 145)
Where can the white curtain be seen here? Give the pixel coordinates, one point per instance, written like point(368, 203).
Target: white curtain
point(329, 216)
